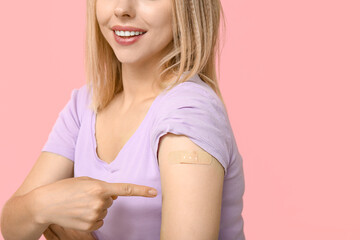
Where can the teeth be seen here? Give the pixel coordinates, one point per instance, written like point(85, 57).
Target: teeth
point(128, 33)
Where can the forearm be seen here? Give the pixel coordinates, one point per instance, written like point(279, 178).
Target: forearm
point(19, 220)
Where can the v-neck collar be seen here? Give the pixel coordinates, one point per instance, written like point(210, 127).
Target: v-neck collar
point(112, 165)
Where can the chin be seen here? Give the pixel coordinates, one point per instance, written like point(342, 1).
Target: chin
point(131, 60)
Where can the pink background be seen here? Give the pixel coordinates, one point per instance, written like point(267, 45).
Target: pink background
point(290, 75)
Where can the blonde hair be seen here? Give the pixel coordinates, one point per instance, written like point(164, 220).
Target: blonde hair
point(193, 49)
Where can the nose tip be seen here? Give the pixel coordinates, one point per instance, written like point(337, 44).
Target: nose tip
point(120, 12)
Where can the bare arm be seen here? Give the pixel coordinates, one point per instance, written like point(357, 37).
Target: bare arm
point(192, 192)
point(18, 219)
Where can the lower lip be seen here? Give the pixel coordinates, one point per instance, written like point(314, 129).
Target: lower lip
point(127, 41)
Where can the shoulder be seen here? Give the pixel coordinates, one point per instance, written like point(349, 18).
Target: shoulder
point(193, 109)
point(79, 94)
point(83, 93)
point(194, 93)
point(79, 100)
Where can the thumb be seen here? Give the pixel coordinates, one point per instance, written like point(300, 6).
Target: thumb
point(129, 189)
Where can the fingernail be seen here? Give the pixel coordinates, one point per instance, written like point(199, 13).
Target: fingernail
point(152, 192)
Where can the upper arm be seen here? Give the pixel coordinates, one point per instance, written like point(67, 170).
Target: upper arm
point(48, 168)
point(192, 193)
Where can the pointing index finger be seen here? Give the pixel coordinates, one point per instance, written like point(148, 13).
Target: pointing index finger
point(129, 189)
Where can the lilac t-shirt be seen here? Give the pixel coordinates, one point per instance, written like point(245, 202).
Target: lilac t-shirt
point(191, 108)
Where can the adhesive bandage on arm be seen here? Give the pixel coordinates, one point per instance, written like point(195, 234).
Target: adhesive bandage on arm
point(187, 157)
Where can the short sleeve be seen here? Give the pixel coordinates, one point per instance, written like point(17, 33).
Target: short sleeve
point(63, 136)
point(192, 112)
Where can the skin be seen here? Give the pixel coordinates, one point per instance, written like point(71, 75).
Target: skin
point(138, 63)
point(191, 193)
point(78, 205)
point(138, 59)
point(56, 232)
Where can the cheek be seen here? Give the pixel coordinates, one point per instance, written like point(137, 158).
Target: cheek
point(99, 16)
point(161, 24)
point(103, 11)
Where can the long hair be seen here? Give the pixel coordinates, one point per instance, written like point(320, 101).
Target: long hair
point(193, 49)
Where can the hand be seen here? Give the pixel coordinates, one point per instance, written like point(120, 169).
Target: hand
point(80, 203)
point(56, 232)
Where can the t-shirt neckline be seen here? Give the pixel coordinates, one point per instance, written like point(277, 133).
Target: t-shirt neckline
point(112, 165)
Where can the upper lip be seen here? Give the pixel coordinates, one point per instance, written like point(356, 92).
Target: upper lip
point(127, 28)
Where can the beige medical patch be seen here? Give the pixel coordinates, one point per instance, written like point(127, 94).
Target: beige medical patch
point(187, 157)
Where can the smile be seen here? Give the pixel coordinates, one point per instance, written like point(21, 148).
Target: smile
point(128, 33)
point(126, 38)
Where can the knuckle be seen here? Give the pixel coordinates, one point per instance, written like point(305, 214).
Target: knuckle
point(97, 189)
point(111, 201)
point(98, 205)
point(98, 186)
point(93, 216)
point(103, 214)
point(95, 204)
point(97, 225)
point(88, 226)
point(128, 189)
point(101, 224)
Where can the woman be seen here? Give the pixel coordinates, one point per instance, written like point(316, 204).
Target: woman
point(151, 114)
